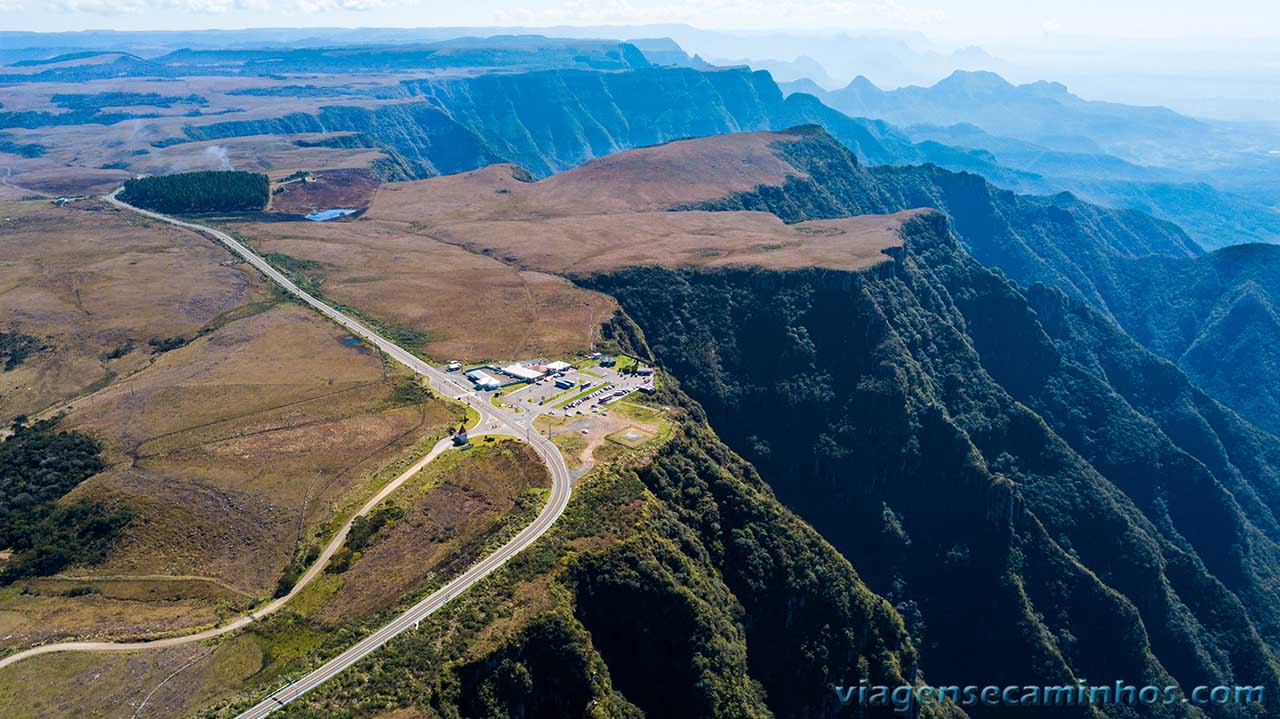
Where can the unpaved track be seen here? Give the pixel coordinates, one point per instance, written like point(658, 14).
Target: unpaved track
point(491, 422)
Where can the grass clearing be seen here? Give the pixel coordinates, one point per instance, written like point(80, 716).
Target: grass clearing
point(96, 283)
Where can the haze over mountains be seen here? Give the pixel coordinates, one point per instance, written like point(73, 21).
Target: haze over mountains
point(974, 383)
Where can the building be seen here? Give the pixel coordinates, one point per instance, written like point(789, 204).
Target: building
point(483, 380)
point(527, 374)
point(644, 371)
point(558, 366)
point(608, 361)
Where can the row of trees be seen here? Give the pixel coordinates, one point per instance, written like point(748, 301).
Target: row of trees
point(217, 191)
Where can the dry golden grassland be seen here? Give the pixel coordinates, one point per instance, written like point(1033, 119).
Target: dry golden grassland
point(90, 280)
point(470, 306)
point(147, 685)
point(230, 450)
point(612, 213)
point(453, 508)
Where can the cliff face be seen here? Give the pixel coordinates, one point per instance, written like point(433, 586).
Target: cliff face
point(675, 585)
point(1213, 315)
point(551, 120)
point(923, 420)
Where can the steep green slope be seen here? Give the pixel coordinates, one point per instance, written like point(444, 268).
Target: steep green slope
point(922, 420)
point(1216, 318)
point(675, 585)
point(1213, 315)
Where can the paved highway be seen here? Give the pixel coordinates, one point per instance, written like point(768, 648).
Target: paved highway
point(491, 422)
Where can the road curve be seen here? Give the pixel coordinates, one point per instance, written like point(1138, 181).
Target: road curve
point(491, 422)
point(239, 622)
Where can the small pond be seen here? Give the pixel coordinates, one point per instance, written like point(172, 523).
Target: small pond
point(323, 215)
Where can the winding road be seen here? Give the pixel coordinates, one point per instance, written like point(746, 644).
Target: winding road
point(491, 422)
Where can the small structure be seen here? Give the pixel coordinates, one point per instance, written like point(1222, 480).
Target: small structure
point(558, 366)
point(644, 371)
point(540, 368)
point(460, 437)
point(608, 361)
point(453, 366)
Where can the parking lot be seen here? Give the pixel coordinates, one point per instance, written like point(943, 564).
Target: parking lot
point(588, 387)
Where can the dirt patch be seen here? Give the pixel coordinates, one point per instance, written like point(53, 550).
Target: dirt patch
point(350, 188)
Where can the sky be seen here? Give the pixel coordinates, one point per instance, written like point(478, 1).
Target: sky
point(960, 21)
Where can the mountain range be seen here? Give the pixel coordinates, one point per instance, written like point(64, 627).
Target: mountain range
point(975, 445)
point(1215, 180)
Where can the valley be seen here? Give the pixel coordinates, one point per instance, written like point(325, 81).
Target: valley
point(522, 376)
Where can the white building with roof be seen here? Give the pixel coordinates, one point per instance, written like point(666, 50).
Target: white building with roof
point(521, 372)
point(483, 379)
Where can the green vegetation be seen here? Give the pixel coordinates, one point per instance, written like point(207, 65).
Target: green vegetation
point(674, 587)
point(167, 344)
point(940, 432)
point(38, 466)
point(410, 390)
point(118, 351)
point(228, 191)
point(365, 528)
point(23, 149)
point(101, 100)
point(16, 347)
point(1214, 315)
point(303, 556)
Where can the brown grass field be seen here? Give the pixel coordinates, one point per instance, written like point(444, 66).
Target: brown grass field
point(90, 279)
point(454, 506)
point(472, 307)
point(230, 450)
point(474, 260)
point(151, 684)
point(612, 212)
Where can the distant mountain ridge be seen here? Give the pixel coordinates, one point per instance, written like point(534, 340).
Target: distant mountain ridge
point(1041, 112)
point(512, 53)
point(1147, 158)
point(550, 121)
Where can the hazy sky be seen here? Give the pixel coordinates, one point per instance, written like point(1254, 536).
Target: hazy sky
point(957, 20)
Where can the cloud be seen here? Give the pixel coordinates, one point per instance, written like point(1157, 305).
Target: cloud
point(792, 13)
point(203, 7)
